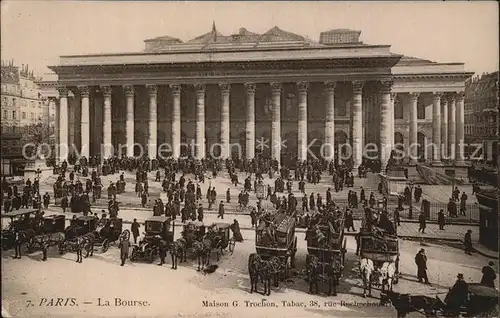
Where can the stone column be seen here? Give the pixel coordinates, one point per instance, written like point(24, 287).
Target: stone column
point(436, 128)
point(302, 121)
point(276, 122)
point(153, 126)
point(444, 127)
point(129, 124)
point(391, 119)
point(357, 120)
point(451, 126)
point(225, 122)
point(459, 138)
point(200, 121)
point(63, 123)
point(106, 124)
point(413, 140)
point(330, 120)
point(176, 121)
point(85, 122)
point(385, 123)
point(250, 121)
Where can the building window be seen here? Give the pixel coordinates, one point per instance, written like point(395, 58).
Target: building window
point(4, 101)
point(53, 117)
point(32, 104)
point(4, 115)
point(14, 114)
point(23, 115)
point(14, 102)
point(32, 116)
point(39, 104)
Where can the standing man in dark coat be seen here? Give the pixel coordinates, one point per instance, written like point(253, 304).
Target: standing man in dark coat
point(135, 230)
point(422, 221)
point(468, 242)
point(162, 252)
point(489, 275)
point(421, 261)
point(124, 247)
point(441, 219)
point(17, 244)
point(221, 210)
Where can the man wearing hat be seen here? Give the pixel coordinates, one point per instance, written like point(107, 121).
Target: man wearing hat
point(458, 294)
point(421, 261)
point(489, 275)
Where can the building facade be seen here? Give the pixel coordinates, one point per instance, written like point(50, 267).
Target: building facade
point(481, 114)
point(22, 106)
point(279, 89)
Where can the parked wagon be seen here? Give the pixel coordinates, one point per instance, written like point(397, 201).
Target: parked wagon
point(223, 230)
point(275, 236)
point(159, 233)
point(326, 247)
point(109, 233)
point(20, 220)
point(379, 252)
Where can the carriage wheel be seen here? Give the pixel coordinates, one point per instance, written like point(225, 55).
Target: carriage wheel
point(231, 245)
point(105, 246)
point(152, 255)
point(133, 254)
point(288, 266)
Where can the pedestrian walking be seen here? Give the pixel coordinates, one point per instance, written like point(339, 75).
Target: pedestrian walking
point(468, 242)
point(422, 222)
point(221, 210)
point(124, 248)
point(421, 261)
point(135, 230)
point(489, 275)
point(441, 219)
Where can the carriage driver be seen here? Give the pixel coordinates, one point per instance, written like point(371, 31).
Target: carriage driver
point(458, 294)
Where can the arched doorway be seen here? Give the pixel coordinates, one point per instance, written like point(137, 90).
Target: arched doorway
point(421, 151)
point(399, 141)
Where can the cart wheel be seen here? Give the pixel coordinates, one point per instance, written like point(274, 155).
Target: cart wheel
point(133, 254)
point(288, 266)
point(152, 255)
point(231, 245)
point(105, 246)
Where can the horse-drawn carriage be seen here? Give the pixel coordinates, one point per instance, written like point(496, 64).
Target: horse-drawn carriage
point(326, 247)
point(21, 221)
point(480, 301)
point(379, 253)
point(159, 233)
point(223, 231)
point(108, 233)
point(275, 237)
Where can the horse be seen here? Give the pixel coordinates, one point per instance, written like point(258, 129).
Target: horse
point(406, 303)
point(387, 273)
point(270, 269)
point(202, 251)
point(76, 245)
point(178, 251)
point(318, 271)
point(254, 267)
point(366, 269)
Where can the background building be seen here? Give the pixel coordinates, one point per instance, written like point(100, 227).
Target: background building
point(23, 107)
point(481, 113)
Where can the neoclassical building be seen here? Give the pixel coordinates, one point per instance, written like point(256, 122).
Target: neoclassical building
point(277, 87)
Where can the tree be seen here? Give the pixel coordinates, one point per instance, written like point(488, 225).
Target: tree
point(37, 141)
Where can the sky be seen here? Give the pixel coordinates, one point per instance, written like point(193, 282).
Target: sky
point(38, 32)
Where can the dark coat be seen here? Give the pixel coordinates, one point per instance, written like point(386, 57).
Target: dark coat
point(124, 248)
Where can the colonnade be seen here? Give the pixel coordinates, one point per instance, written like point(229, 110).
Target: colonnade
point(448, 121)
